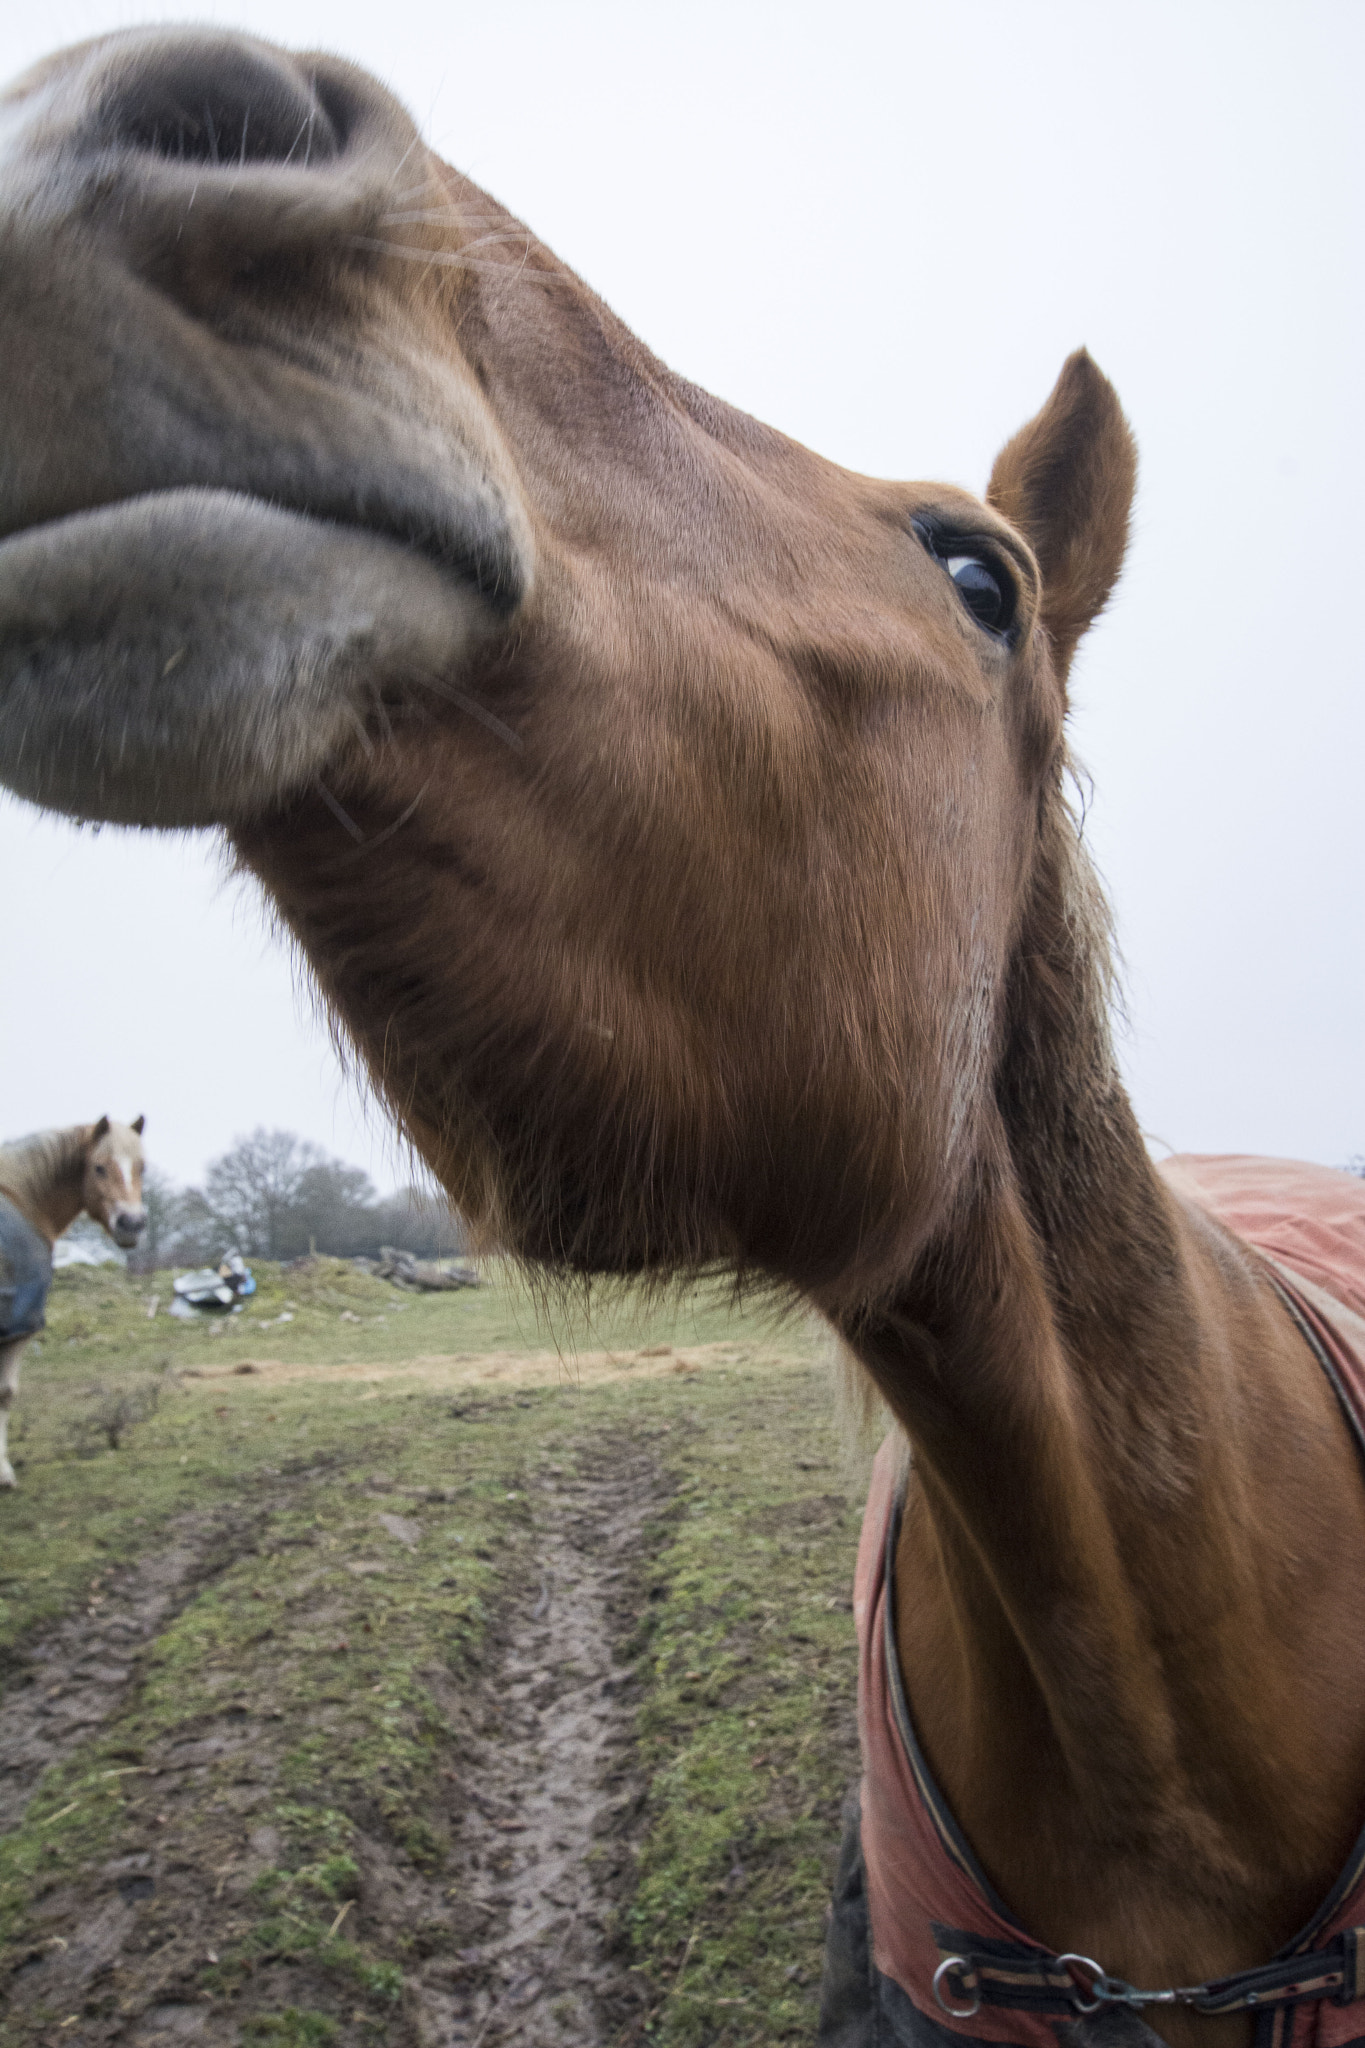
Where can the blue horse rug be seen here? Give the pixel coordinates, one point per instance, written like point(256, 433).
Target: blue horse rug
point(25, 1274)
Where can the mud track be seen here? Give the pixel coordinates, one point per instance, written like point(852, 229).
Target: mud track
point(76, 1677)
point(516, 1937)
point(546, 1840)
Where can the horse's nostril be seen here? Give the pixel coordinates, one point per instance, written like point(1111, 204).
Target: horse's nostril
point(220, 104)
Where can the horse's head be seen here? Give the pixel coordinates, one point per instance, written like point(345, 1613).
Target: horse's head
point(657, 803)
point(112, 1180)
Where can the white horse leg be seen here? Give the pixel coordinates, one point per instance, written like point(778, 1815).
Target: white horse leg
point(10, 1355)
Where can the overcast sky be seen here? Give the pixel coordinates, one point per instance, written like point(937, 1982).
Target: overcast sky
point(882, 228)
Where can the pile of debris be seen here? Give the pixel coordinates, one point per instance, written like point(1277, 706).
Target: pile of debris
point(420, 1276)
point(220, 1290)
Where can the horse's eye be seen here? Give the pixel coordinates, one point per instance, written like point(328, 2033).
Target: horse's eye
point(99, 1173)
point(986, 594)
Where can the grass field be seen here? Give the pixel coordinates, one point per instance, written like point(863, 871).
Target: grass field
point(420, 1669)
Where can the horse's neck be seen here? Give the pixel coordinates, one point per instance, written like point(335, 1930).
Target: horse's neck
point(1136, 1522)
point(44, 1177)
point(1013, 1547)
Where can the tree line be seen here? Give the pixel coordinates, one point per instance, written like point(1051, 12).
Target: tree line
point(273, 1195)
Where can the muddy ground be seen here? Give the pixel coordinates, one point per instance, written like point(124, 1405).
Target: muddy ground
point(538, 1809)
point(501, 1717)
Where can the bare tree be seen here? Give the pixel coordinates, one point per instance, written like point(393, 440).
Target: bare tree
point(273, 1195)
point(160, 1201)
point(333, 1208)
point(194, 1235)
point(421, 1219)
point(254, 1188)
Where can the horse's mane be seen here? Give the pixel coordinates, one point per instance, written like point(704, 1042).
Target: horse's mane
point(1057, 1076)
point(30, 1167)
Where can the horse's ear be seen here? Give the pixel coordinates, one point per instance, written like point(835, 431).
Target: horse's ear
point(1066, 481)
point(101, 1130)
point(137, 1124)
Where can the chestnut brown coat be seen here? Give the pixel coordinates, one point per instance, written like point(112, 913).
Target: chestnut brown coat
point(677, 826)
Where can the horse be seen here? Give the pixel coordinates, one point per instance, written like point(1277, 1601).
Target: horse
point(678, 828)
point(45, 1182)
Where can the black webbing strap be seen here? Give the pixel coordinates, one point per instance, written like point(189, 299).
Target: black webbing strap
point(974, 1971)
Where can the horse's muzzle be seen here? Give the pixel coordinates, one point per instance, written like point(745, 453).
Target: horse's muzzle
point(249, 491)
point(126, 1227)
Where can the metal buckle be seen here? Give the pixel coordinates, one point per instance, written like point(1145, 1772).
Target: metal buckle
point(1107, 1990)
point(1100, 1982)
point(952, 1965)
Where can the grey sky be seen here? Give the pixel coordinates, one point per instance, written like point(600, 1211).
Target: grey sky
point(882, 228)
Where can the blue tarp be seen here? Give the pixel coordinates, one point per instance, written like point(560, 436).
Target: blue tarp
point(25, 1274)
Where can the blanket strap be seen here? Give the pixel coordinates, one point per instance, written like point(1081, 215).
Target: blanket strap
point(974, 1971)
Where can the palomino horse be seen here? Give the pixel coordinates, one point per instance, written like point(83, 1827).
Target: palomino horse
point(45, 1182)
point(677, 824)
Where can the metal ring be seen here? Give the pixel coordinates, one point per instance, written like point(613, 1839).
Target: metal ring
point(952, 1965)
point(1098, 1977)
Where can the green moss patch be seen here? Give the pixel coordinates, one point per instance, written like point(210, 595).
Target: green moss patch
point(747, 1730)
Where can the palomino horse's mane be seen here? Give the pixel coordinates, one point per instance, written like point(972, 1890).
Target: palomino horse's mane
point(32, 1166)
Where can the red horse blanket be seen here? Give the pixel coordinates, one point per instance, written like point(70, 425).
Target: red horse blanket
point(927, 1898)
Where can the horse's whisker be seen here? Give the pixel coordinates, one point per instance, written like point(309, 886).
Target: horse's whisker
point(487, 241)
point(439, 216)
point(480, 713)
point(447, 259)
point(342, 816)
point(369, 845)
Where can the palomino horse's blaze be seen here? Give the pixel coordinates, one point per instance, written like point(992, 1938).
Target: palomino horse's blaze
point(677, 825)
point(45, 1183)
